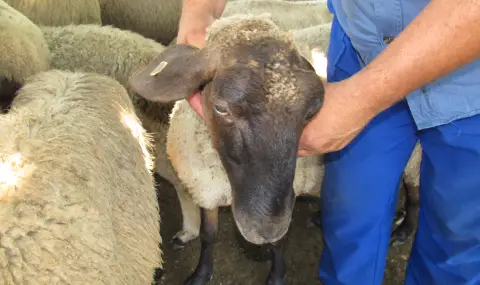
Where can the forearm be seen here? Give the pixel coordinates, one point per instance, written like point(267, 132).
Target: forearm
point(213, 7)
point(444, 37)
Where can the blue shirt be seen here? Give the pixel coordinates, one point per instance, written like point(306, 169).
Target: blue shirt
point(368, 23)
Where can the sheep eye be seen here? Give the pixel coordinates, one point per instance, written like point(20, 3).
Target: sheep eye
point(220, 110)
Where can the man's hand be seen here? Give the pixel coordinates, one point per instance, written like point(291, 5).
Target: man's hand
point(197, 15)
point(442, 38)
point(342, 116)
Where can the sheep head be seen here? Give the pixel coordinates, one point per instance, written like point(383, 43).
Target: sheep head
point(258, 93)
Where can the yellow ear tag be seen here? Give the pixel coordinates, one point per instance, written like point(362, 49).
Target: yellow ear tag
point(159, 68)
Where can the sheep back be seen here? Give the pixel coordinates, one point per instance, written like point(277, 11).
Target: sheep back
point(109, 51)
point(83, 209)
point(286, 15)
point(154, 19)
point(59, 12)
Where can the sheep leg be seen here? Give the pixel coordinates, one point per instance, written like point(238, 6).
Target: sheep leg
point(315, 220)
point(278, 270)
point(8, 90)
point(208, 233)
point(410, 214)
point(190, 211)
point(191, 219)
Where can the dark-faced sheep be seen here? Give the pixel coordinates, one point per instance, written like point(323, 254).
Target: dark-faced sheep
point(258, 94)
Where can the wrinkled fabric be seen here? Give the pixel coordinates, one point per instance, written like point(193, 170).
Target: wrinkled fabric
point(369, 22)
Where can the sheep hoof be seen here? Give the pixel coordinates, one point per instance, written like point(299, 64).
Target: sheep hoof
point(315, 220)
point(158, 275)
point(200, 277)
point(401, 235)
point(8, 91)
point(400, 217)
point(177, 243)
point(275, 280)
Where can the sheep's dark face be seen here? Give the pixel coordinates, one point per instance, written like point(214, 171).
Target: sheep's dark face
point(8, 90)
point(256, 100)
point(256, 109)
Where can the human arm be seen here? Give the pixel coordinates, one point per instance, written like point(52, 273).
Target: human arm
point(196, 16)
point(442, 38)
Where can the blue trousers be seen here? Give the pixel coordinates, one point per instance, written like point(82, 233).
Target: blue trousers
point(360, 193)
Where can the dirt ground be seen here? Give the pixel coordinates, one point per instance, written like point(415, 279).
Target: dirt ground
point(239, 263)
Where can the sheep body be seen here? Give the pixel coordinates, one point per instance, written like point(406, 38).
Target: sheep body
point(313, 43)
point(154, 19)
point(286, 15)
point(23, 51)
point(118, 54)
point(314, 38)
point(83, 209)
point(112, 52)
point(59, 12)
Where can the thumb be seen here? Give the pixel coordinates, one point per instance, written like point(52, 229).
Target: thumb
point(196, 39)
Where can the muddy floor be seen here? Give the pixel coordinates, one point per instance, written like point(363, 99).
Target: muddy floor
point(238, 263)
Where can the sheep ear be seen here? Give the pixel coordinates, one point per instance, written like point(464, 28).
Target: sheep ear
point(177, 73)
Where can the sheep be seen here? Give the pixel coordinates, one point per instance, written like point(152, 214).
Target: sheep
point(77, 196)
point(118, 54)
point(154, 19)
point(23, 52)
point(245, 55)
point(59, 12)
point(258, 93)
point(313, 43)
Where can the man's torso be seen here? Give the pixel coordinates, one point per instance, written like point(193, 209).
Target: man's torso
point(371, 24)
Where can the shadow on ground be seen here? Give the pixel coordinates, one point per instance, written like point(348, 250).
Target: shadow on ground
point(238, 263)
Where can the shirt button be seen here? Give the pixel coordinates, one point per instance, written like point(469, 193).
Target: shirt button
point(388, 39)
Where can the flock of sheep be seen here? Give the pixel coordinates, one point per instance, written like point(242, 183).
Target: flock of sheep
point(84, 126)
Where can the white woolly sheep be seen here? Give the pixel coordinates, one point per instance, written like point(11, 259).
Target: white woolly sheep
point(23, 52)
point(77, 198)
point(258, 92)
point(118, 54)
point(154, 19)
point(59, 12)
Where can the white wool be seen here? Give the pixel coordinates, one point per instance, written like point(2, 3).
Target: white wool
point(78, 202)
